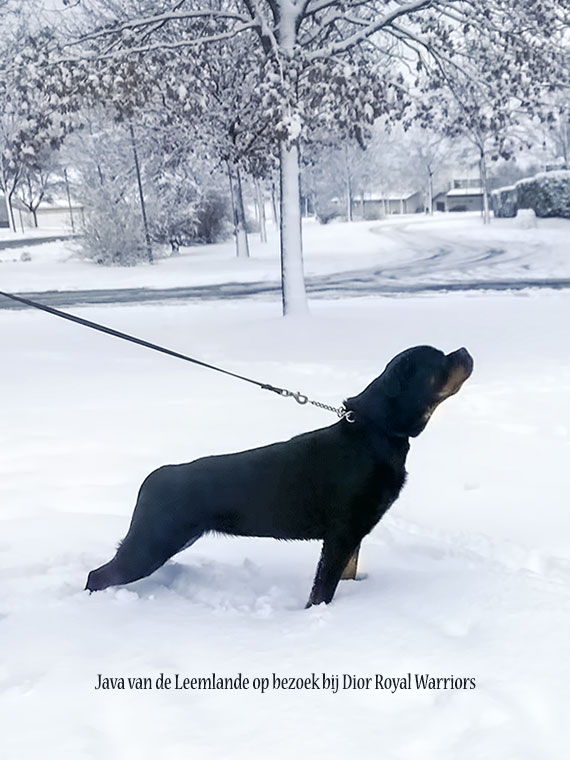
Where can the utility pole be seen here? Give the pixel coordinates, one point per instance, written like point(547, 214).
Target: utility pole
point(69, 200)
point(141, 195)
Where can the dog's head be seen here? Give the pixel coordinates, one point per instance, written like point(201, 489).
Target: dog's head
point(412, 386)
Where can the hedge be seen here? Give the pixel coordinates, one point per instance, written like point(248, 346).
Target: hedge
point(547, 194)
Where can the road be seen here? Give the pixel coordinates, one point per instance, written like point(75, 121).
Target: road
point(7, 243)
point(343, 285)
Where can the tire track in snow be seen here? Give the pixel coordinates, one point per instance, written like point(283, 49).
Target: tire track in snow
point(347, 285)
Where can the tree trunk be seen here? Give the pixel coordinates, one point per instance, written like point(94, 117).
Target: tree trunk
point(68, 194)
point(294, 298)
point(348, 183)
point(238, 212)
point(484, 186)
point(430, 192)
point(256, 203)
point(274, 207)
point(242, 229)
point(10, 210)
point(35, 216)
point(261, 209)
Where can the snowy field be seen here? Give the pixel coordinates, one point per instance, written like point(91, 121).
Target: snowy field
point(468, 575)
point(401, 250)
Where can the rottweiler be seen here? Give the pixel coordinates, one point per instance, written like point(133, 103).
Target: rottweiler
point(332, 484)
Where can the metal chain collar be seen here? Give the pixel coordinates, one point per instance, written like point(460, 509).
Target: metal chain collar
point(341, 411)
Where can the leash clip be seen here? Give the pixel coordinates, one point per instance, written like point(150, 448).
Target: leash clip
point(346, 414)
point(299, 397)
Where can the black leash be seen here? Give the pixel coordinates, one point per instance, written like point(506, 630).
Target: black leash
point(300, 398)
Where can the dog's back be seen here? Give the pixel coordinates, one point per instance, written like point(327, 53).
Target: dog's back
point(296, 489)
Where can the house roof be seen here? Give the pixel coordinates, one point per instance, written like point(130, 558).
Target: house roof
point(402, 195)
point(58, 204)
point(54, 204)
point(461, 192)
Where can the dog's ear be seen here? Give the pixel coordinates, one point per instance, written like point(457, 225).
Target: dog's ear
point(392, 381)
point(375, 402)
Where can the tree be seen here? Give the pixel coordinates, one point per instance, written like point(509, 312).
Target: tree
point(105, 180)
point(31, 127)
point(38, 182)
point(490, 131)
point(329, 175)
point(186, 201)
point(428, 152)
point(219, 108)
point(345, 62)
point(491, 89)
point(557, 132)
point(292, 88)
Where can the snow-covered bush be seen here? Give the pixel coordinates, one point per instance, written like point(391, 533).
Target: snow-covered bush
point(203, 220)
point(328, 211)
point(547, 194)
point(112, 233)
point(504, 201)
point(172, 219)
point(212, 217)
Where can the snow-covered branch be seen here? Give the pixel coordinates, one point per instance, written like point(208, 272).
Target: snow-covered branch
point(123, 52)
point(371, 28)
point(158, 19)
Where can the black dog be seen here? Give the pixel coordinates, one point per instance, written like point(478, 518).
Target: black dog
point(332, 484)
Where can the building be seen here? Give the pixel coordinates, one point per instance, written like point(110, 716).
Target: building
point(57, 215)
point(375, 205)
point(18, 210)
point(3, 213)
point(464, 195)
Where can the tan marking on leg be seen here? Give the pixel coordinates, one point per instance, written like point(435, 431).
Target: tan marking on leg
point(349, 572)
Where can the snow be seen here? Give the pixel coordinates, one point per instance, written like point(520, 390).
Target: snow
point(464, 191)
point(378, 195)
point(526, 218)
point(467, 576)
point(402, 250)
point(558, 174)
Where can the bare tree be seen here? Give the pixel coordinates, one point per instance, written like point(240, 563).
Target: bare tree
point(37, 183)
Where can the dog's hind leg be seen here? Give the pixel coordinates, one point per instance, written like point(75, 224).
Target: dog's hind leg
point(336, 553)
point(349, 572)
point(135, 559)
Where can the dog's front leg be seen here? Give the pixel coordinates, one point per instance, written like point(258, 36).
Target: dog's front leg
point(336, 552)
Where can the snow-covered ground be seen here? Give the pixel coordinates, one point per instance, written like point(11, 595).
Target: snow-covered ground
point(403, 250)
point(468, 576)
